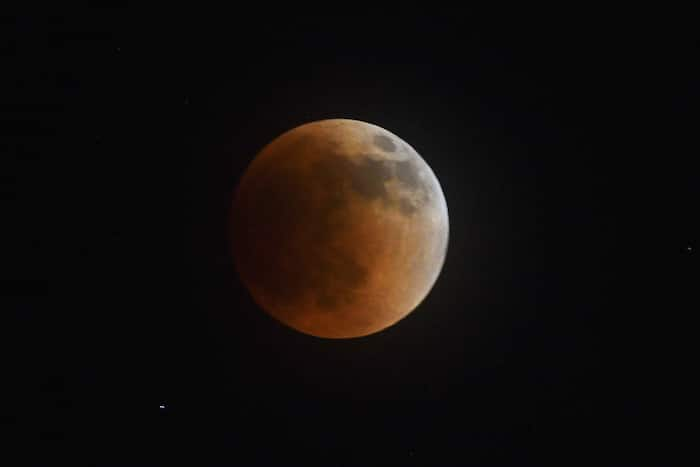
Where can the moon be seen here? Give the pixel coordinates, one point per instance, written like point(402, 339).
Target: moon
point(339, 228)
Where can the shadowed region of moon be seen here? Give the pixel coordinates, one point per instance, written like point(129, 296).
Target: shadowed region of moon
point(337, 231)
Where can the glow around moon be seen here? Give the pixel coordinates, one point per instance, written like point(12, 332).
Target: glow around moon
point(340, 228)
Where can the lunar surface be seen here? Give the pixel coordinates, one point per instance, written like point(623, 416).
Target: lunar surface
point(339, 228)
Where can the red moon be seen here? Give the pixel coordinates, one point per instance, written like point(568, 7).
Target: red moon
point(339, 228)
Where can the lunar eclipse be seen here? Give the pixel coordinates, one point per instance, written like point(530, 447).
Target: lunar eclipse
point(339, 228)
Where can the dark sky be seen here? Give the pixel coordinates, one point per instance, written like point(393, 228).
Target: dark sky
point(557, 334)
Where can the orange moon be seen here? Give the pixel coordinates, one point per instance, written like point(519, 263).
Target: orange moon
point(339, 228)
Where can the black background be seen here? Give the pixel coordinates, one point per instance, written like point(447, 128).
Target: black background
point(557, 334)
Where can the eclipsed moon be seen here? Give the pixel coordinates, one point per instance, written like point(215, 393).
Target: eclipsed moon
point(340, 228)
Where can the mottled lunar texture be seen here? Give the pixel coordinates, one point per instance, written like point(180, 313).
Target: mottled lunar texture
point(340, 228)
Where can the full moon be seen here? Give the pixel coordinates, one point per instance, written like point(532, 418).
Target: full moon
point(339, 228)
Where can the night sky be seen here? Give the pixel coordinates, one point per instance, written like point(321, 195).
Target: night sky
point(557, 334)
